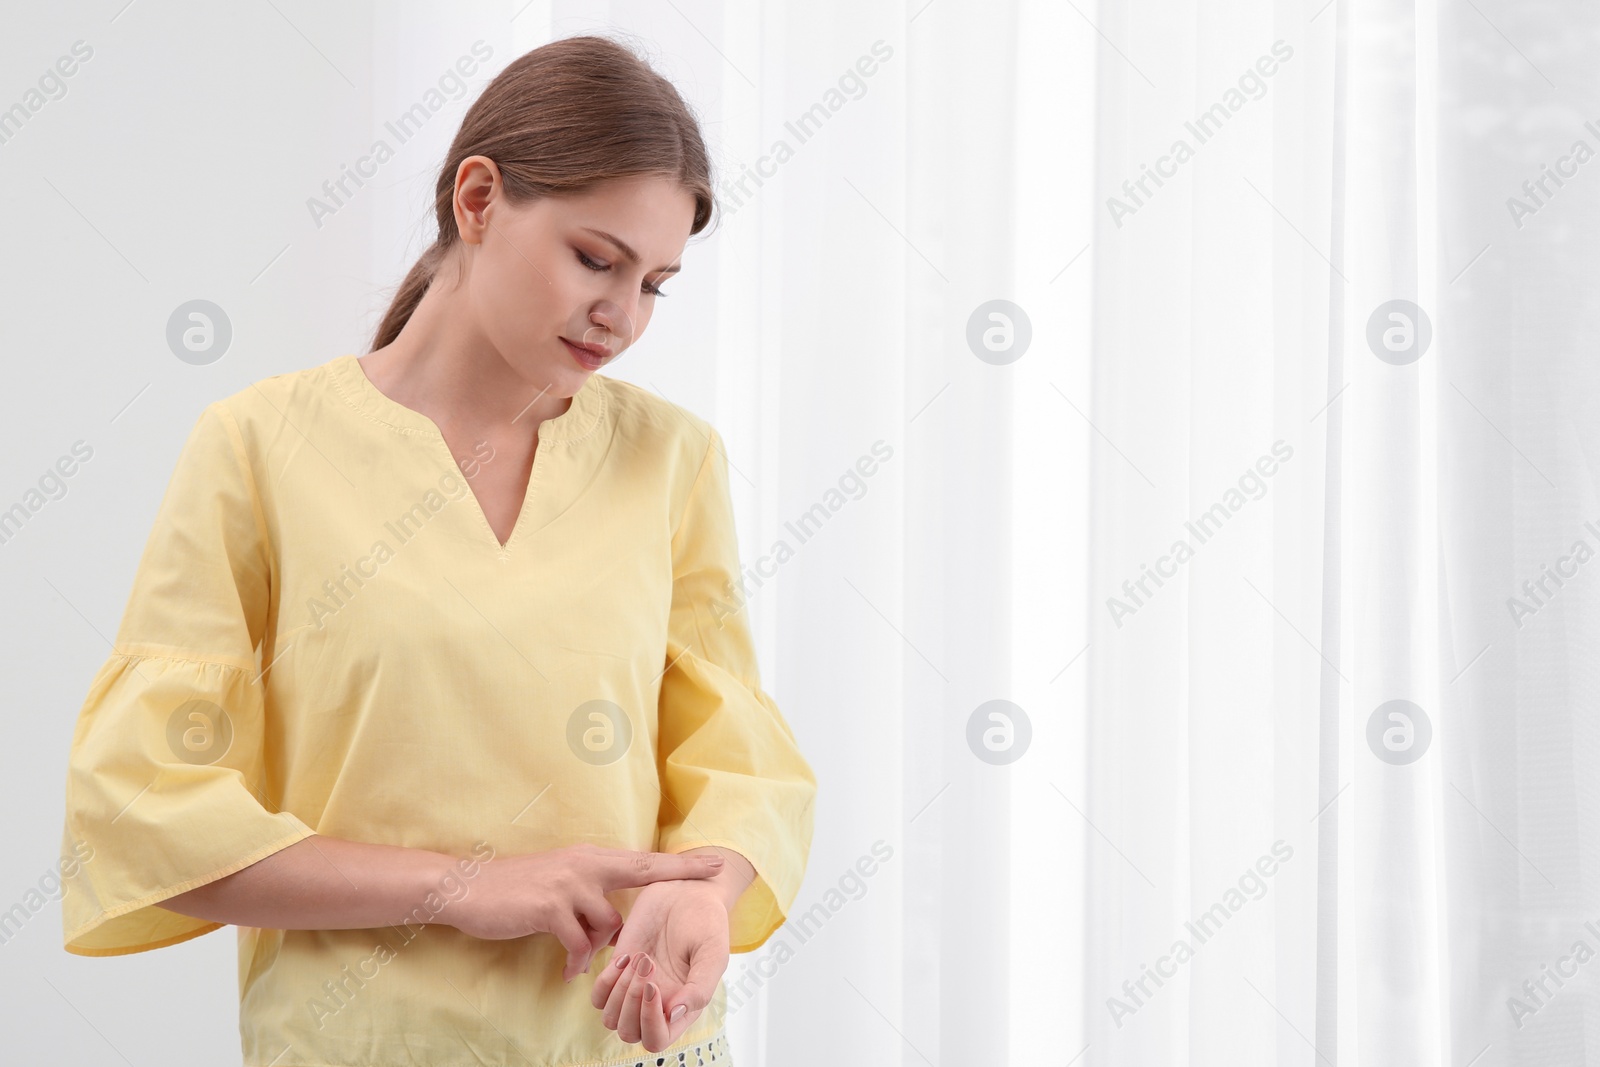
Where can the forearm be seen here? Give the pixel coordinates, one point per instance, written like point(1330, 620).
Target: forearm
point(324, 883)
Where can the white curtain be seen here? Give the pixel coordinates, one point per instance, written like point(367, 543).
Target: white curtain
point(1305, 789)
point(1165, 440)
point(1350, 664)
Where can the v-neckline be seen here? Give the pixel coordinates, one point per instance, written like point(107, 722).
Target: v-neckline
point(522, 505)
point(580, 418)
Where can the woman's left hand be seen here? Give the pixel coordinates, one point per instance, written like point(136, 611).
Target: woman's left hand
point(674, 949)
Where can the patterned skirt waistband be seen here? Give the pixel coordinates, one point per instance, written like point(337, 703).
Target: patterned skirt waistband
point(711, 1052)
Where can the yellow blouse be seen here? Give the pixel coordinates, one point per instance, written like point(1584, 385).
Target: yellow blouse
point(325, 636)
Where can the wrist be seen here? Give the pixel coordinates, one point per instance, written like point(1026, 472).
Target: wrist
point(729, 884)
point(442, 885)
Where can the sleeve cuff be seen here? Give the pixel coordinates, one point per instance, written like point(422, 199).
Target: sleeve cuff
point(141, 925)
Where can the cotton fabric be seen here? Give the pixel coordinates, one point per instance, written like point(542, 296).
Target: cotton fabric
point(325, 636)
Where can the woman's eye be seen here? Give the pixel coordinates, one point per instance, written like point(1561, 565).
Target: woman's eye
point(594, 266)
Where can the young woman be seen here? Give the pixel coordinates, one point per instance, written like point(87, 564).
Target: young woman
point(432, 648)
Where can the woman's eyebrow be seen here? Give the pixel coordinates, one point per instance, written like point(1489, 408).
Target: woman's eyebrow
point(627, 251)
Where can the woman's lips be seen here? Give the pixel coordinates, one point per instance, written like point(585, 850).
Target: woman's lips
point(585, 356)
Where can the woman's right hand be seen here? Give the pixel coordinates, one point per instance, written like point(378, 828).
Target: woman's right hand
point(562, 892)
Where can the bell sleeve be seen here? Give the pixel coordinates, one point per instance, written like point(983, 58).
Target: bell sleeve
point(166, 778)
point(731, 772)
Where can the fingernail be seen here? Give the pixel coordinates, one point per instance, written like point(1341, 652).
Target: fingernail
point(715, 861)
point(677, 1013)
point(646, 965)
point(650, 992)
point(622, 960)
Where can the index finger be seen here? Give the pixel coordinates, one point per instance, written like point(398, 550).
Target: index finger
point(628, 869)
point(654, 1032)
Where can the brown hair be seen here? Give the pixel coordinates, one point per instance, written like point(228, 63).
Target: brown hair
point(562, 119)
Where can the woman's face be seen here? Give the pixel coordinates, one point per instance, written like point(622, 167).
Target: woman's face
point(584, 268)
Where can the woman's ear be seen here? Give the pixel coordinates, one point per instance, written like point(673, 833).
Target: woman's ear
point(476, 179)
